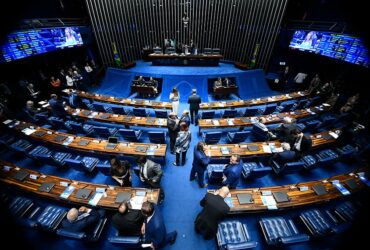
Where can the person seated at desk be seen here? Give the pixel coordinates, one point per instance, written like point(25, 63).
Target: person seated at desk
point(218, 83)
point(227, 83)
point(120, 171)
point(80, 220)
point(140, 81)
point(285, 132)
point(32, 92)
point(31, 111)
point(128, 221)
point(153, 83)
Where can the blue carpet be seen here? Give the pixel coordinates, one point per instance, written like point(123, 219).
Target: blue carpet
point(181, 204)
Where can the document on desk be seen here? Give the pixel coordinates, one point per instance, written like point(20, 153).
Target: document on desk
point(333, 134)
point(96, 198)
point(340, 187)
point(266, 149)
point(136, 202)
point(216, 122)
point(151, 150)
point(93, 115)
point(269, 201)
point(230, 122)
point(28, 131)
point(67, 192)
point(229, 201)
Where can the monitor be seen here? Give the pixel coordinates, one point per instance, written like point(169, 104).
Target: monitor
point(170, 50)
point(338, 46)
point(216, 51)
point(25, 43)
point(207, 51)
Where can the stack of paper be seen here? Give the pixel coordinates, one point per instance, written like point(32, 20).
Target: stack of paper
point(269, 201)
point(266, 149)
point(136, 202)
point(230, 122)
point(28, 131)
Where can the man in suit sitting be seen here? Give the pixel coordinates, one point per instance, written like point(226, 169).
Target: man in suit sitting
point(232, 172)
point(214, 210)
point(57, 107)
point(194, 101)
point(31, 111)
point(80, 220)
point(151, 173)
point(200, 163)
point(128, 222)
point(226, 82)
point(154, 229)
point(285, 132)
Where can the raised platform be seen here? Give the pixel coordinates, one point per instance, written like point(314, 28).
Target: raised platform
point(185, 60)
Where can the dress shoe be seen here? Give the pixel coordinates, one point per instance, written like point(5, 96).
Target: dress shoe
point(174, 238)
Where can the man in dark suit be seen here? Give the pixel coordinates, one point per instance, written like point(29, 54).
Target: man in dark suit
point(194, 101)
point(232, 172)
point(173, 129)
point(302, 144)
point(200, 163)
point(154, 229)
point(214, 210)
point(57, 107)
point(80, 220)
point(285, 132)
point(128, 222)
point(74, 100)
point(185, 118)
point(151, 173)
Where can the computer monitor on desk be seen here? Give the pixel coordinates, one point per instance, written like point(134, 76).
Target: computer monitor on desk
point(216, 51)
point(157, 50)
point(170, 50)
point(207, 51)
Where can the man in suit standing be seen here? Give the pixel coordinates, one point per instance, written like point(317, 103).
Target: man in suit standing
point(151, 174)
point(194, 101)
point(154, 229)
point(57, 107)
point(173, 129)
point(80, 220)
point(185, 118)
point(74, 100)
point(128, 222)
point(232, 172)
point(200, 163)
point(214, 210)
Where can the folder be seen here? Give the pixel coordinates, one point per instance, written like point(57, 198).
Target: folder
point(46, 187)
point(123, 196)
point(83, 193)
point(253, 148)
point(244, 199)
point(351, 184)
point(319, 189)
point(60, 138)
point(39, 133)
point(104, 116)
point(280, 196)
point(141, 149)
point(83, 143)
point(20, 175)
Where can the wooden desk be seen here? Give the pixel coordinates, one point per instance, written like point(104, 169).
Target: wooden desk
point(297, 198)
point(253, 102)
point(226, 90)
point(143, 90)
point(122, 101)
point(270, 119)
point(243, 150)
point(31, 185)
point(183, 60)
point(94, 145)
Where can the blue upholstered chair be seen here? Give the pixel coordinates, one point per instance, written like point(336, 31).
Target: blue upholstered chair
point(51, 217)
point(234, 235)
point(58, 123)
point(161, 113)
point(309, 161)
point(320, 224)
point(157, 137)
point(140, 112)
point(78, 128)
point(211, 137)
point(255, 170)
point(251, 111)
point(130, 134)
point(207, 114)
point(126, 242)
point(346, 151)
point(104, 131)
point(81, 163)
point(230, 113)
point(311, 125)
point(346, 211)
point(270, 108)
point(215, 173)
point(102, 108)
point(236, 137)
point(260, 131)
point(281, 231)
point(326, 157)
point(118, 110)
point(103, 166)
point(288, 167)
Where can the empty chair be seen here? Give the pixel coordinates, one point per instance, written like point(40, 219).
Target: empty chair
point(328, 120)
point(255, 170)
point(346, 211)
point(21, 146)
point(318, 223)
point(103, 166)
point(42, 118)
point(58, 123)
point(346, 151)
point(81, 163)
point(234, 235)
point(78, 128)
point(288, 167)
point(280, 231)
point(161, 113)
point(301, 126)
point(102, 108)
point(230, 113)
point(211, 137)
point(104, 131)
point(6, 140)
point(300, 104)
point(140, 112)
point(326, 157)
point(215, 173)
point(157, 137)
point(260, 131)
point(126, 242)
point(51, 217)
point(93, 234)
point(312, 124)
point(207, 114)
point(118, 110)
point(309, 161)
point(44, 155)
point(251, 111)
point(19, 206)
point(312, 101)
point(285, 106)
point(130, 134)
point(236, 137)
point(270, 108)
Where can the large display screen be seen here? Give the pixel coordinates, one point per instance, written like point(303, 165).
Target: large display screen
point(26, 43)
point(339, 46)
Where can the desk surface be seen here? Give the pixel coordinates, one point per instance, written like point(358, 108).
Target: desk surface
point(94, 145)
point(190, 56)
point(272, 118)
point(297, 198)
point(31, 185)
point(243, 149)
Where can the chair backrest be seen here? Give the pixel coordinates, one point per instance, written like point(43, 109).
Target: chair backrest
point(77, 127)
point(234, 235)
point(102, 131)
point(215, 173)
point(157, 137)
point(270, 108)
point(161, 114)
point(251, 111)
point(230, 113)
point(212, 137)
point(118, 110)
point(128, 134)
point(99, 107)
point(287, 106)
point(240, 136)
point(295, 166)
point(20, 206)
point(51, 217)
point(208, 114)
point(139, 112)
point(260, 131)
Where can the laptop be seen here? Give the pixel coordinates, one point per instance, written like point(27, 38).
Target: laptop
point(244, 199)
point(253, 148)
point(112, 143)
point(141, 149)
point(351, 184)
point(83, 193)
point(46, 187)
point(83, 142)
point(280, 196)
point(40, 133)
point(60, 138)
point(20, 175)
point(319, 189)
point(123, 196)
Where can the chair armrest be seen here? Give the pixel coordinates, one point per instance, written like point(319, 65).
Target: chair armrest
point(125, 239)
point(99, 228)
point(69, 234)
point(241, 246)
point(294, 239)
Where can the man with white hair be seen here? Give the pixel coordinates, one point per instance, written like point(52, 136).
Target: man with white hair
point(214, 210)
point(80, 220)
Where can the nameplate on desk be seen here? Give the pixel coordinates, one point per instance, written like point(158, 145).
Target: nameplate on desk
point(100, 189)
point(7, 122)
point(33, 176)
point(96, 141)
point(303, 188)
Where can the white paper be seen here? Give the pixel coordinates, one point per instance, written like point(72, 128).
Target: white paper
point(28, 131)
point(335, 135)
point(268, 200)
point(42, 102)
point(67, 192)
point(230, 122)
point(136, 202)
point(215, 122)
point(96, 198)
point(7, 122)
point(266, 149)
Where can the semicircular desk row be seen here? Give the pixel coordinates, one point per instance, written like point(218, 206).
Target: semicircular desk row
point(270, 119)
point(88, 144)
point(77, 192)
point(207, 105)
point(259, 198)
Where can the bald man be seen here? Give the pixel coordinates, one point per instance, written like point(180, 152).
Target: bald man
point(80, 220)
point(214, 210)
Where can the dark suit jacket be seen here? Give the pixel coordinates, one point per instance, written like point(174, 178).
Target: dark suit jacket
point(173, 128)
point(74, 101)
point(154, 173)
point(306, 145)
point(194, 101)
point(185, 119)
point(214, 210)
point(200, 160)
point(128, 223)
point(155, 230)
point(82, 225)
point(232, 173)
point(57, 108)
point(285, 132)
